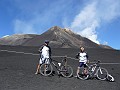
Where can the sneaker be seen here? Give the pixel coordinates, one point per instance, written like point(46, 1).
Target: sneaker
point(36, 73)
point(76, 76)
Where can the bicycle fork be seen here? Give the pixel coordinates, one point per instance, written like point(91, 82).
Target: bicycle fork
point(100, 71)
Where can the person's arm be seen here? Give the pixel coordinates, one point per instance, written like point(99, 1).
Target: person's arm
point(87, 58)
point(77, 55)
point(87, 55)
point(40, 49)
point(50, 52)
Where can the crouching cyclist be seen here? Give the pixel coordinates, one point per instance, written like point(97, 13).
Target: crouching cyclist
point(83, 59)
point(45, 56)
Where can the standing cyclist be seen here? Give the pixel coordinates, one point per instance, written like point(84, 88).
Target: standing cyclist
point(83, 59)
point(45, 55)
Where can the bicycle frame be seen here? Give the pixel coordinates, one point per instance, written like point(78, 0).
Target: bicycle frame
point(59, 66)
point(62, 68)
point(94, 69)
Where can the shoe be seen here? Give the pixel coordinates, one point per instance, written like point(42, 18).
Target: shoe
point(76, 76)
point(36, 73)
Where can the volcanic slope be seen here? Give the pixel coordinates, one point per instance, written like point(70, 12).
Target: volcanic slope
point(58, 37)
point(61, 38)
point(16, 39)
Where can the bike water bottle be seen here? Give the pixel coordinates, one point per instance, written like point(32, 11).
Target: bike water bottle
point(59, 64)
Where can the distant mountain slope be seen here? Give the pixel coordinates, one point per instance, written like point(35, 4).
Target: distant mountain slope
point(58, 37)
point(16, 39)
point(105, 46)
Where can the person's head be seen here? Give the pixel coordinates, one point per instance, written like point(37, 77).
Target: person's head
point(82, 49)
point(46, 42)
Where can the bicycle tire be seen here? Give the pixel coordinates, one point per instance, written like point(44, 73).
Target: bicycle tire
point(81, 74)
point(66, 71)
point(103, 75)
point(46, 69)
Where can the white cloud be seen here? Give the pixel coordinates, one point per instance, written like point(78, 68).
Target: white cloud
point(5, 36)
point(38, 16)
point(23, 27)
point(105, 43)
point(85, 23)
point(93, 15)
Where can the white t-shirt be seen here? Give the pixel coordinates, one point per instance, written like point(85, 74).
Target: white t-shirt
point(45, 52)
point(82, 57)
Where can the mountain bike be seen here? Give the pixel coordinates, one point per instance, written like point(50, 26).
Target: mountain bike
point(93, 71)
point(62, 68)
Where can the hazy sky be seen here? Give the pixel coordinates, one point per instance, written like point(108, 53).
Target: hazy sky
point(98, 20)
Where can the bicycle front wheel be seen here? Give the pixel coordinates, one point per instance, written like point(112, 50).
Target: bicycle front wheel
point(82, 75)
point(102, 74)
point(66, 71)
point(46, 69)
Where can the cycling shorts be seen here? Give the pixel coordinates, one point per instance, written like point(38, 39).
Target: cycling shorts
point(82, 64)
point(44, 60)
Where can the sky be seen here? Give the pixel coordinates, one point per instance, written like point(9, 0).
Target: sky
point(97, 20)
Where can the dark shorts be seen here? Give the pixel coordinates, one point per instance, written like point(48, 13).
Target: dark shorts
point(81, 64)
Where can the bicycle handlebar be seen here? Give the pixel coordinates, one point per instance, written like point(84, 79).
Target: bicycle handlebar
point(97, 61)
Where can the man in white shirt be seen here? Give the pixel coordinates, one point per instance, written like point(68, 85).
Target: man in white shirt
point(45, 55)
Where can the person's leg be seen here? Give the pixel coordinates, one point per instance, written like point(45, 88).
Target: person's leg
point(85, 69)
point(78, 70)
point(38, 68)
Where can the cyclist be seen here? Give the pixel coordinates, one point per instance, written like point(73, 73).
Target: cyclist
point(83, 59)
point(45, 55)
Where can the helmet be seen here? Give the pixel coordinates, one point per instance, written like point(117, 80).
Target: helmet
point(47, 41)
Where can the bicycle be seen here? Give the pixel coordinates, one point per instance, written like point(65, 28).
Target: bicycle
point(93, 71)
point(62, 68)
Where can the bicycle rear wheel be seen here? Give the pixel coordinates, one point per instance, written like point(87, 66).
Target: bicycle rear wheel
point(67, 71)
point(46, 69)
point(81, 75)
point(102, 74)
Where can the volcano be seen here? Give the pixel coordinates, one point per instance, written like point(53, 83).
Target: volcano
point(58, 37)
